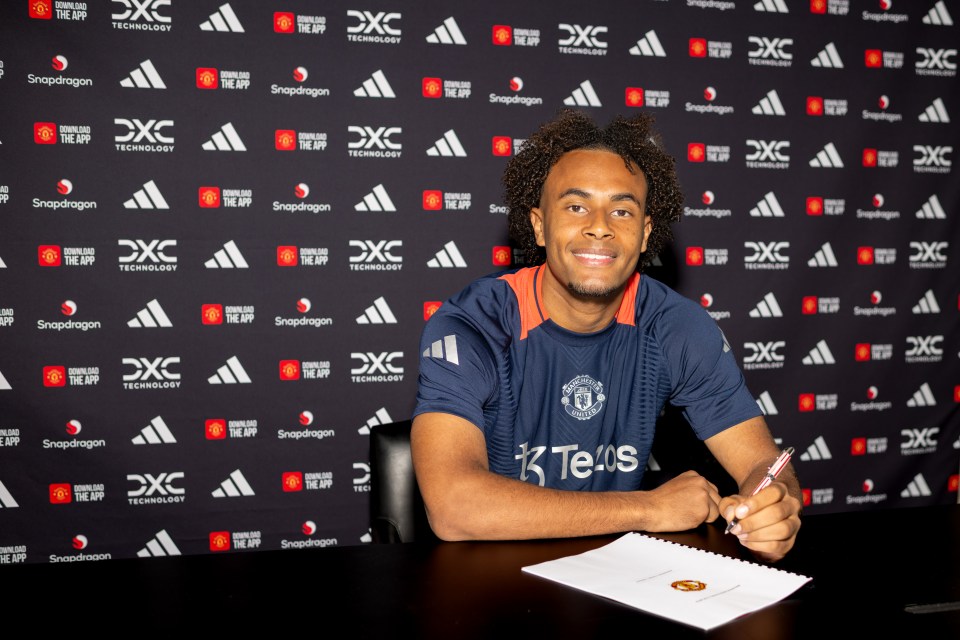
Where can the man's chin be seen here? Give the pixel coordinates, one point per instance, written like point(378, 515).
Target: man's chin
point(593, 291)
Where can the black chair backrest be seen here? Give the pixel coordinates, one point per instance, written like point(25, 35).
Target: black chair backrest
point(397, 513)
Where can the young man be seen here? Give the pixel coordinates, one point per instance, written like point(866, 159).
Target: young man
point(540, 388)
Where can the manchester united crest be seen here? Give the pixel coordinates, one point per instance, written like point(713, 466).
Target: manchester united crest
point(583, 397)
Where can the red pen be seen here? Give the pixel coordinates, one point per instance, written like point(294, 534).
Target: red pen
point(772, 472)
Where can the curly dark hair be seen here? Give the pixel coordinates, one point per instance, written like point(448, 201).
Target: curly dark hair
point(633, 139)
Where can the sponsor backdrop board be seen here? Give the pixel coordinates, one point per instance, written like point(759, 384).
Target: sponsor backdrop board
point(223, 225)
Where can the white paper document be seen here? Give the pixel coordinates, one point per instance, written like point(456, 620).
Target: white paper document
point(692, 586)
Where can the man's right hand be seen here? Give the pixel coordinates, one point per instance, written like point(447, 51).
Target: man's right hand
point(682, 503)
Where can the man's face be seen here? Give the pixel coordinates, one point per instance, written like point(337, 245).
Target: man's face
point(592, 222)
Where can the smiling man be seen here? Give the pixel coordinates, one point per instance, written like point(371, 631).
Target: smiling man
point(540, 388)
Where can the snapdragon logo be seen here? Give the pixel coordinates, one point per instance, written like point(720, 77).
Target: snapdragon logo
point(376, 367)
point(139, 135)
point(152, 373)
point(379, 27)
point(148, 255)
point(583, 40)
point(141, 15)
point(376, 255)
point(374, 142)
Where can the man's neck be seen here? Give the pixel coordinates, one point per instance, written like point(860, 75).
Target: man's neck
point(578, 313)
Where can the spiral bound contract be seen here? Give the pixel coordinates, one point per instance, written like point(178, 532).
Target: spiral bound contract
point(692, 586)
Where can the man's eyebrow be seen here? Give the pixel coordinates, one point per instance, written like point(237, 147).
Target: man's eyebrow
point(617, 197)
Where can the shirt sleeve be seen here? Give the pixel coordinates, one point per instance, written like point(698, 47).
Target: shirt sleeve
point(457, 368)
point(707, 383)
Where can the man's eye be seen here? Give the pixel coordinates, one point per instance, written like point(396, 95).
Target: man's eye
point(576, 208)
point(622, 213)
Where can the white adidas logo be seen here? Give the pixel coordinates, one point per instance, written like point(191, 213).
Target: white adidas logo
point(820, 354)
point(376, 200)
point(3, 265)
point(380, 417)
point(447, 33)
point(823, 257)
point(448, 145)
point(152, 315)
point(227, 139)
point(648, 45)
point(445, 349)
point(828, 58)
point(6, 498)
point(927, 304)
point(156, 432)
point(922, 397)
point(161, 545)
point(223, 19)
point(584, 96)
point(149, 197)
point(775, 6)
point(767, 308)
point(377, 313)
point(376, 86)
point(817, 451)
point(144, 77)
point(932, 209)
point(4, 385)
point(769, 207)
point(916, 488)
point(235, 485)
point(765, 402)
point(938, 16)
point(770, 105)
point(230, 373)
point(227, 258)
point(447, 257)
point(827, 158)
point(936, 112)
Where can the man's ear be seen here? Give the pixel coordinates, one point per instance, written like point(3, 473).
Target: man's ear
point(536, 221)
point(647, 228)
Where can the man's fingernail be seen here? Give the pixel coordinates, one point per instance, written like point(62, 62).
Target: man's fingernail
point(742, 511)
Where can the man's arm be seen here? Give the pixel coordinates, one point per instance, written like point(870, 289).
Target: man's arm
point(467, 501)
point(768, 521)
